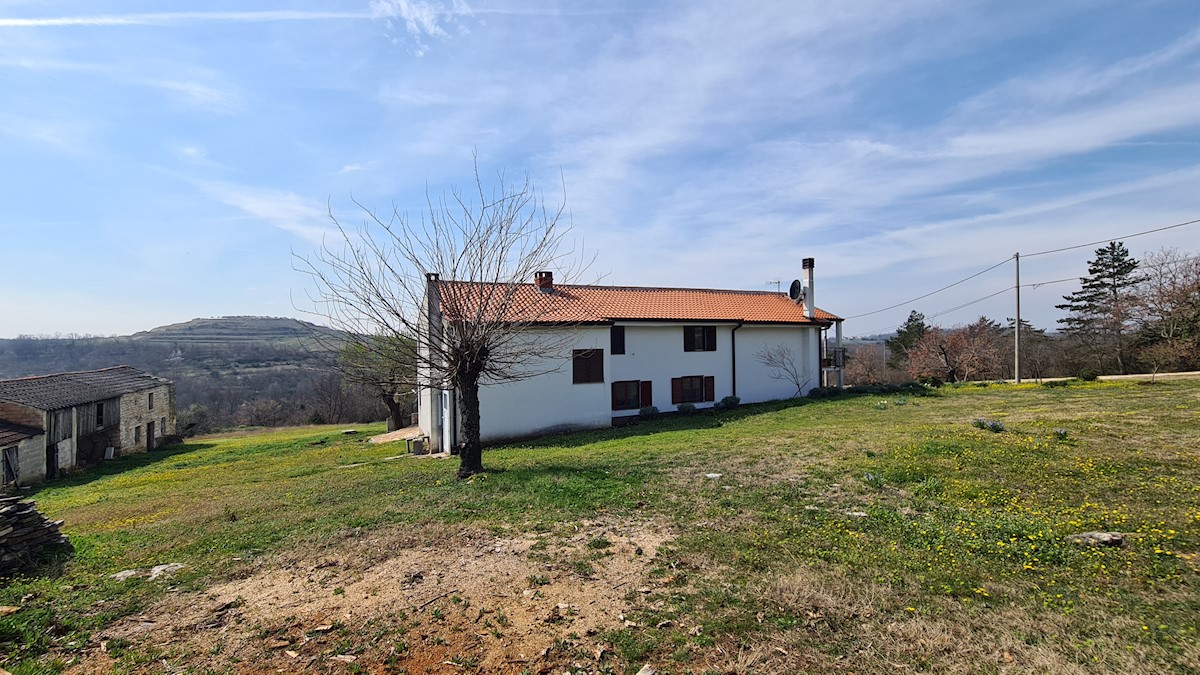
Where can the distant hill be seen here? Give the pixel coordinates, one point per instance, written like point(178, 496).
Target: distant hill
point(234, 329)
point(220, 363)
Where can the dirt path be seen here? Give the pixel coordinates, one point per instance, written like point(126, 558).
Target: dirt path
point(398, 435)
point(425, 601)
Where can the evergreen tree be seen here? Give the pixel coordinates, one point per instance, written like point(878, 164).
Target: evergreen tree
point(1101, 312)
point(907, 336)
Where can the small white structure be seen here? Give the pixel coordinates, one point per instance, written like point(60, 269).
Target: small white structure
point(626, 348)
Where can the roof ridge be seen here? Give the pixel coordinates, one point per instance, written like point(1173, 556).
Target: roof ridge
point(72, 372)
point(622, 288)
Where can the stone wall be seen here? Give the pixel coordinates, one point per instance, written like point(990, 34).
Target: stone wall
point(136, 413)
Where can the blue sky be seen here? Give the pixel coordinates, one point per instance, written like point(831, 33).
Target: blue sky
point(163, 161)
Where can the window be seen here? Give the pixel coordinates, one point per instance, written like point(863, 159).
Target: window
point(631, 395)
point(617, 337)
point(137, 435)
point(587, 365)
point(150, 403)
point(699, 338)
point(693, 389)
point(162, 427)
point(99, 415)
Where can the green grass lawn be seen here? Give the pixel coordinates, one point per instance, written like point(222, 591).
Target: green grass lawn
point(864, 534)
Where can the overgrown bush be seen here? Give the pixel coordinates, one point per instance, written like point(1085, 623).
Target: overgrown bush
point(1088, 375)
point(728, 403)
point(931, 382)
point(685, 408)
point(648, 412)
point(1056, 383)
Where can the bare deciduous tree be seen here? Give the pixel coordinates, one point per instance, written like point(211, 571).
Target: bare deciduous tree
point(479, 252)
point(1168, 311)
point(956, 354)
point(782, 362)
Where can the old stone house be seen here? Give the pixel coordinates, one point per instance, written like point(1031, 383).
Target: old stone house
point(50, 423)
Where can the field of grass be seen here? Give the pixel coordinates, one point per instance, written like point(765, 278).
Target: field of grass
point(863, 534)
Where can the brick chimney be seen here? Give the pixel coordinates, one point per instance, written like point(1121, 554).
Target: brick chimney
point(544, 281)
point(810, 296)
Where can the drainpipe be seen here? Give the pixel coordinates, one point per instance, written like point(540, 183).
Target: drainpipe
point(733, 355)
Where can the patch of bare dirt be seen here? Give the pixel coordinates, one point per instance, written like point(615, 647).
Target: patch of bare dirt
point(397, 435)
point(424, 601)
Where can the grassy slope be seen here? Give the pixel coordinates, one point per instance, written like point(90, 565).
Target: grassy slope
point(959, 563)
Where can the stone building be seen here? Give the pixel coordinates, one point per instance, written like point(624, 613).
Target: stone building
point(50, 423)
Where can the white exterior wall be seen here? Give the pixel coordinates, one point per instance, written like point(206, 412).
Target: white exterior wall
point(551, 402)
point(654, 352)
point(755, 383)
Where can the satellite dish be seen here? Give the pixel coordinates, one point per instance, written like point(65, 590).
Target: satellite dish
point(796, 291)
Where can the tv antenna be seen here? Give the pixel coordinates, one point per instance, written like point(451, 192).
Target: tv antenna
point(777, 286)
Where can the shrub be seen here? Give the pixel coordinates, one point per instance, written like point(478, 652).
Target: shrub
point(881, 405)
point(648, 412)
point(931, 381)
point(1056, 383)
point(728, 403)
point(821, 392)
point(1088, 375)
point(685, 408)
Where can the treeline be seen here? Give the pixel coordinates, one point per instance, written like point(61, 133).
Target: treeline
point(217, 385)
point(1128, 316)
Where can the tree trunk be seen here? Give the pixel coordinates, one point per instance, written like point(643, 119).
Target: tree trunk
point(470, 450)
point(395, 413)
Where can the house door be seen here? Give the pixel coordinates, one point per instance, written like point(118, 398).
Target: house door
point(11, 466)
point(150, 436)
point(447, 424)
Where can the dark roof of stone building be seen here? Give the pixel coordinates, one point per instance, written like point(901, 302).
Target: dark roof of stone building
point(62, 390)
point(15, 433)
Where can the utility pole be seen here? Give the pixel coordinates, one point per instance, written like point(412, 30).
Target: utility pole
point(1017, 325)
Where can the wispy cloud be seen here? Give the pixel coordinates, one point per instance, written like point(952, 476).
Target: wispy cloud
point(287, 211)
point(198, 95)
point(423, 19)
point(62, 134)
point(166, 18)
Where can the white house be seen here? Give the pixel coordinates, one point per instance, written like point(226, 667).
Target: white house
point(625, 348)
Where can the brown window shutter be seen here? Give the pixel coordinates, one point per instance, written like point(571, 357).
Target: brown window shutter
point(689, 339)
point(676, 390)
point(710, 388)
point(614, 396)
point(578, 367)
point(647, 395)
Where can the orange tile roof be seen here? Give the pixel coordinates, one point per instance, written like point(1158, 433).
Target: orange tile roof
point(604, 304)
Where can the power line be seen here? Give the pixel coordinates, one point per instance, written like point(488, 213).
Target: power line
point(1027, 255)
point(901, 304)
point(968, 304)
point(1110, 239)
